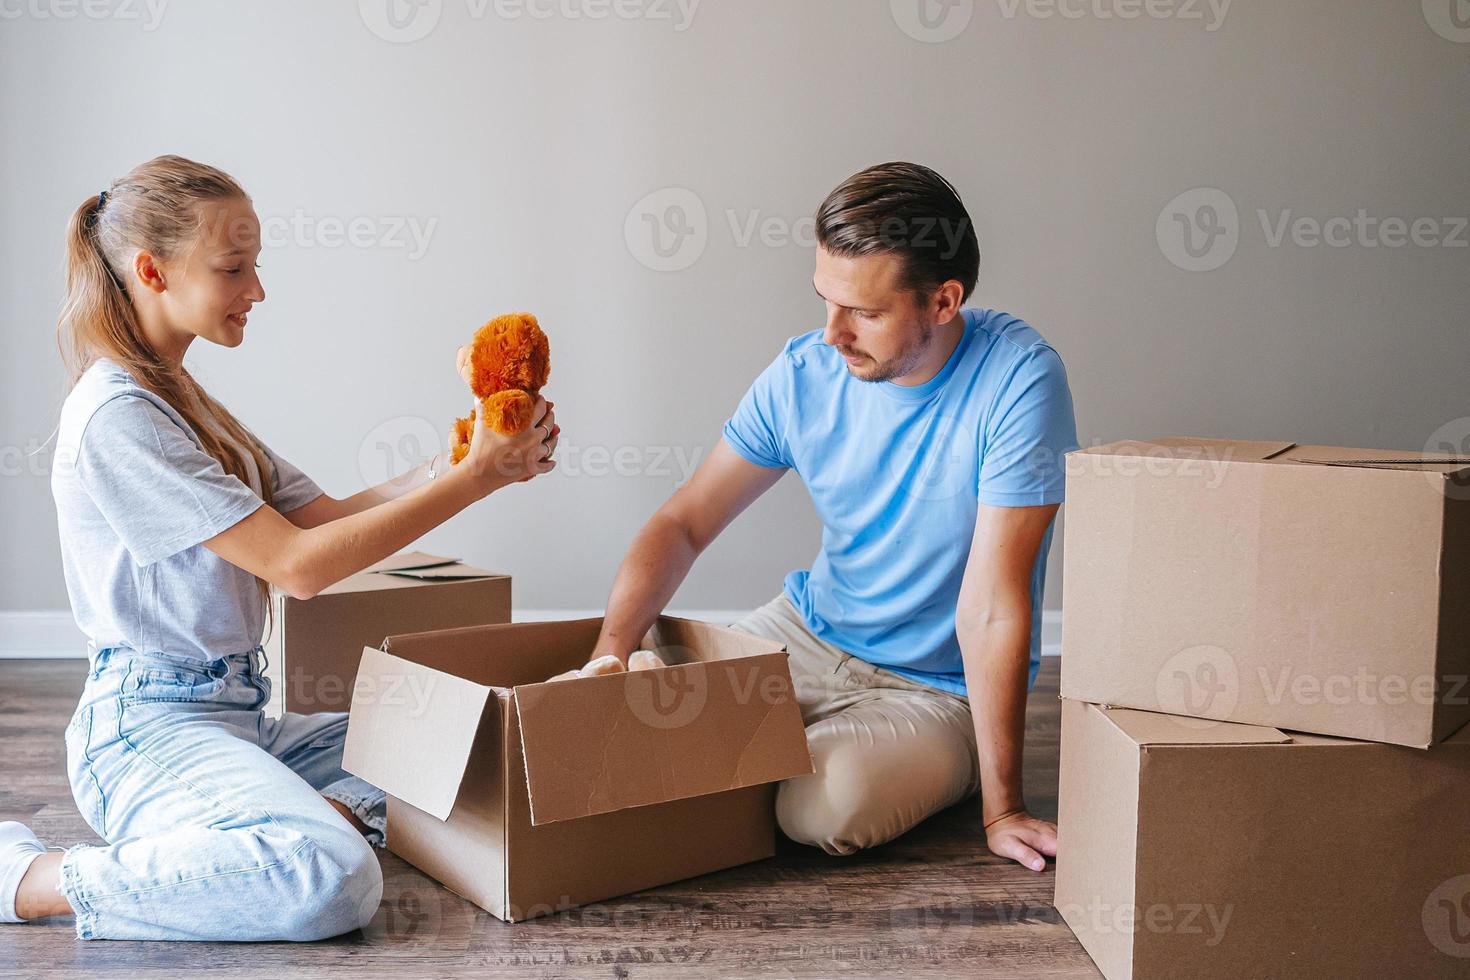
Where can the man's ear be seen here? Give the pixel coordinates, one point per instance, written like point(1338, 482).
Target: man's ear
point(946, 301)
point(145, 269)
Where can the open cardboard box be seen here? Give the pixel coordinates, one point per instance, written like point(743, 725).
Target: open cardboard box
point(1218, 850)
point(528, 797)
point(1313, 588)
point(316, 643)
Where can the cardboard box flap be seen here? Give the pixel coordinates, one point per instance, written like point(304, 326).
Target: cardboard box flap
point(1154, 728)
point(1190, 447)
point(453, 572)
point(426, 567)
point(409, 561)
point(411, 728)
point(406, 571)
point(680, 641)
point(1388, 459)
point(598, 744)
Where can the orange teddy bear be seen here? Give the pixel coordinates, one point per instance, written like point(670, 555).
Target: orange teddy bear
point(506, 366)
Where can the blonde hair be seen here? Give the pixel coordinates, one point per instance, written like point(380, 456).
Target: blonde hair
point(158, 207)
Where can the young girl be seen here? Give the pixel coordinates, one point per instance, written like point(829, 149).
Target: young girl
point(174, 520)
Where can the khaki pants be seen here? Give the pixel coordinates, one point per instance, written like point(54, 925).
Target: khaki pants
point(888, 751)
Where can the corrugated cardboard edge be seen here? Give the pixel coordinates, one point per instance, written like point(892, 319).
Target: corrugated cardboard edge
point(1191, 447)
point(1097, 847)
point(399, 571)
point(1452, 658)
point(1148, 728)
point(409, 560)
point(1261, 451)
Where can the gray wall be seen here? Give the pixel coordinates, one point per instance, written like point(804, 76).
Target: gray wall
point(522, 144)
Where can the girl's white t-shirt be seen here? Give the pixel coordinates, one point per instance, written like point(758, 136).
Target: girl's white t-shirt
point(135, 495)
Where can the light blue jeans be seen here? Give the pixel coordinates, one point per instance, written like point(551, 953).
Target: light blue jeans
point(214, 814)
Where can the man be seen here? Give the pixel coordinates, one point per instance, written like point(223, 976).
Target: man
point(930, 438)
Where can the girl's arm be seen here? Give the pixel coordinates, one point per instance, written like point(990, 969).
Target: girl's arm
point(325, 508)
point(305, 560)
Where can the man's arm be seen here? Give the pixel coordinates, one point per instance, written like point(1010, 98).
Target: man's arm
point(993, 623)
point(664, 551)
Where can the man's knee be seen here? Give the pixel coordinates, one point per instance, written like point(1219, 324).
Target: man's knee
point(866, 789)
point(835, 808)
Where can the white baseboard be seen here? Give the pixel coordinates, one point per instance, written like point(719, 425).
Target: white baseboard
point(53, 633)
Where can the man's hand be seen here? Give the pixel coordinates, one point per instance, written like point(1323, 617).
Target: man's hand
point(664, 551)
point(1022, 837)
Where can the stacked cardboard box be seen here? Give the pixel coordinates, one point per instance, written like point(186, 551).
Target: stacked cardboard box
point(1265, 760)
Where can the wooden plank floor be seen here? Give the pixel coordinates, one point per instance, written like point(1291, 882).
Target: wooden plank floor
point(934, 903)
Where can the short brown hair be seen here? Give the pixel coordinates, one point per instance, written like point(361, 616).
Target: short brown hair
point(908, 210)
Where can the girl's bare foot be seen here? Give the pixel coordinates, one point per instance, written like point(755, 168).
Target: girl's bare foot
point(29, 876)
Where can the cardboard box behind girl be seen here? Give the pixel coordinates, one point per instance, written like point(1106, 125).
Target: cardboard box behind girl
point(314, 649)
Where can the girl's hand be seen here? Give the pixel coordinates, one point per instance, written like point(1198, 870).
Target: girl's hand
point(496, 461)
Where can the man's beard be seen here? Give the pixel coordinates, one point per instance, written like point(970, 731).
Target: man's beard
point(902, 363)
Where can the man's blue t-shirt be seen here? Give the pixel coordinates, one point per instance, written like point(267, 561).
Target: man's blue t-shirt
point(897, 474)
